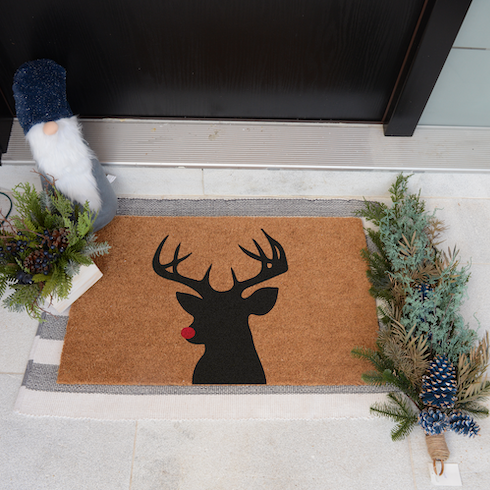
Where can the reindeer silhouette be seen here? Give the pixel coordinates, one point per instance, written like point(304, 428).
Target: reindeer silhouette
point(221, 317)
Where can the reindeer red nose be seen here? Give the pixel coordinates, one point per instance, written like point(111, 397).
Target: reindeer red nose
point(188, 332)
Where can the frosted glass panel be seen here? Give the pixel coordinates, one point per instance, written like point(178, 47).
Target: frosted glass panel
point(474, 32)
point(461, 96)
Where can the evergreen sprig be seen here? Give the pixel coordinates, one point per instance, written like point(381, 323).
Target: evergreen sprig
point(400, 411)
point(419, 290)
point(43, 247)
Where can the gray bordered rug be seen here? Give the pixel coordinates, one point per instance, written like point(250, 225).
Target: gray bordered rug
point(40, 394)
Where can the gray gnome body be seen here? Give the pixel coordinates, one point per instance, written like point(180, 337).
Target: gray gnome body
point(56, 141)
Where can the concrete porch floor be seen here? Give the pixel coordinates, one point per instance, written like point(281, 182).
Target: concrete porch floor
point(61, 454)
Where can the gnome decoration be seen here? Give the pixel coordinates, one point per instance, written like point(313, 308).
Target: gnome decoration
point(56, 141)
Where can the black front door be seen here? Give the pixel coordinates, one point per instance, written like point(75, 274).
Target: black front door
point(273, 59)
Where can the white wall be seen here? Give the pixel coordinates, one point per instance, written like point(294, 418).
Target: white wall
point(461, 96)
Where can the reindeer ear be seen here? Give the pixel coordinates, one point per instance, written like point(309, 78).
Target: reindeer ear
point(262, 301)
point(189, 302)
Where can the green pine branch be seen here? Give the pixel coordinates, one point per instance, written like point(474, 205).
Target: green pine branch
point(95, 249)
point(374, 357)
point(420, 290)
point(397, 409)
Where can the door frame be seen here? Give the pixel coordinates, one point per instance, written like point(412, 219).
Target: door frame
point(431, 44)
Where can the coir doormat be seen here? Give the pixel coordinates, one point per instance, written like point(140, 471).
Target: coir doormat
point(214, 309)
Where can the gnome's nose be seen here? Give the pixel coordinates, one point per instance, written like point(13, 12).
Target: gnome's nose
point(50, 128)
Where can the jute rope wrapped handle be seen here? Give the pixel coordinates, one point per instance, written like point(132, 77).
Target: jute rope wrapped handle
point(438, 451)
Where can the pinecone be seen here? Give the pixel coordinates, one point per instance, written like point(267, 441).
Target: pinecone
point(424, 290)
point(463, 424)
point(433, 421)
point(55, 240)
point(439, 384)
point(53, 243)
point(39, 262)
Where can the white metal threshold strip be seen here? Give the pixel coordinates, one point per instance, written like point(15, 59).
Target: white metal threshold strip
point(279, 145)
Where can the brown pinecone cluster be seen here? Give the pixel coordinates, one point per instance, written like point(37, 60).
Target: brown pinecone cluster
point(54, 243)
point(55, 239)
point(38, 262)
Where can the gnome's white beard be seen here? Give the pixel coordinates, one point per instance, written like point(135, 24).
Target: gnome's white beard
point(66, 158)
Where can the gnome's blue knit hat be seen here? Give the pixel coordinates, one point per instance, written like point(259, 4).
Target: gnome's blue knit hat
point(40, 93)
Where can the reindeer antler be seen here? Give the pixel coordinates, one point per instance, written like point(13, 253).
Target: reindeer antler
point(161, 269)
point(271, 267)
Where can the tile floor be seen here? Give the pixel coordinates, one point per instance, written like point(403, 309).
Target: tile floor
point(62, 454)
